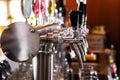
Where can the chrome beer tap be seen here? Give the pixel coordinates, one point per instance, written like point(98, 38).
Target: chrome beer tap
point(74, 21)
point(46, 42)
point(82, 30)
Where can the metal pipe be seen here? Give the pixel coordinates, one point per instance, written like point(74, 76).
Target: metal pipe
point(35, 65)
point(75, 48)
point(82, 51)
point(48, 28)
point(43, 65)
point(83, 45)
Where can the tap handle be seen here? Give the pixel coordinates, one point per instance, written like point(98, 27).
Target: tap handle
point(36, 7)
point(80, 18)
point(74, 19)
point(82, 11)
point(80, 6)
point(84, 6)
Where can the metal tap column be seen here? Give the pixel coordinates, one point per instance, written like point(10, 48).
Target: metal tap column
point(43, 65)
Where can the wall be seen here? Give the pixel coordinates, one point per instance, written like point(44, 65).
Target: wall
point(103, 12)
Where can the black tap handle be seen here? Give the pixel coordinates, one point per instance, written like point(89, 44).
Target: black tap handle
point(80, 18)
point(80, 7)
point(84, 9)
point(74, 19)
point(82, 12)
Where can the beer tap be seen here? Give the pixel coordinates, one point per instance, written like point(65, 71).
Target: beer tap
point(81, 50)
point(49, 40)
point(74, 22)
point(82, 23)
point(74, 18)
point(78, 22)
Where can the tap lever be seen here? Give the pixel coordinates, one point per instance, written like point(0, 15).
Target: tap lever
point(74, 19)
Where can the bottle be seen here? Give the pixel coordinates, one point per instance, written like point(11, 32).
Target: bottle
point(113, 71)
point(113, 67)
